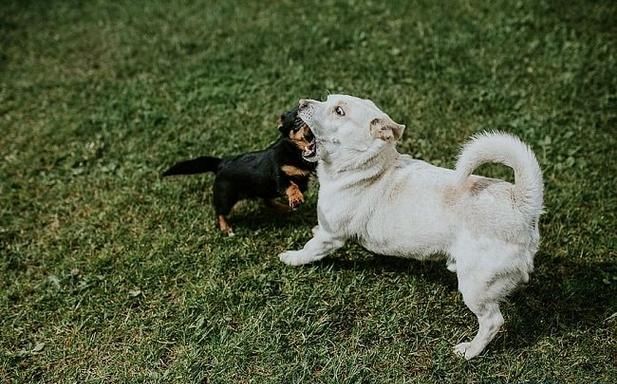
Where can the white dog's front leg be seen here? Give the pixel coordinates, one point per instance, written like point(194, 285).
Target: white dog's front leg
point(320, 246)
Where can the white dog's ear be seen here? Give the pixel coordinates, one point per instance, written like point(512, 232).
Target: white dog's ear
point(386, 130)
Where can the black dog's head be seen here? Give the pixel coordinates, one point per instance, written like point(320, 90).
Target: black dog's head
point(294, 129)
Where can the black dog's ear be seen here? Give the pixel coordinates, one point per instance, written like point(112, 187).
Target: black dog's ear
point(281, 124)
point(288, 121)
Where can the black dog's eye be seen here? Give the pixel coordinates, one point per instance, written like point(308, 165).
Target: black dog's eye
point(339, 111)
point(297, 124)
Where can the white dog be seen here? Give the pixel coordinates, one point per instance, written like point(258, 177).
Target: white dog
point(486, 229)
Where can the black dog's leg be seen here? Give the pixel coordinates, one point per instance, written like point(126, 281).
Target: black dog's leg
point(292, 190)
point(277, 206)
point(225, 197)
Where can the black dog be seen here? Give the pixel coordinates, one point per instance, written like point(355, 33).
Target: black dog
point(281, 169)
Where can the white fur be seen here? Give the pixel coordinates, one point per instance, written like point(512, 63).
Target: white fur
point(392, 204)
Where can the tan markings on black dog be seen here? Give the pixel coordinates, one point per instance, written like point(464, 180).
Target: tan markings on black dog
point(224, 225)
point(299, 137)
point(291, 170)
point(294, 195)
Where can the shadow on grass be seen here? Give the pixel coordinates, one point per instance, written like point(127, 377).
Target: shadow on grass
point(433, 271)
point(561, 297)
point(257, 217)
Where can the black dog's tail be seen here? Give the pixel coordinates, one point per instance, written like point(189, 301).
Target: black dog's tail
point(198, 165)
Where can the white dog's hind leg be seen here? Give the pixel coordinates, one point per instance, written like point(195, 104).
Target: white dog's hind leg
point(486, 273)
point(490, 320)
point(320, 246)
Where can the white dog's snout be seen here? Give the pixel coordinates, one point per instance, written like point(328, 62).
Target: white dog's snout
point(304, 104)
point(306, 109)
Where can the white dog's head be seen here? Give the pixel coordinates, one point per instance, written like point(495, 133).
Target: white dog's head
point(348, 125)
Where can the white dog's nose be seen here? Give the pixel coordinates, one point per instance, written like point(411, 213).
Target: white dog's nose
point(303, 103)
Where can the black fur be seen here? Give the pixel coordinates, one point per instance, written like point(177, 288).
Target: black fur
point(190, 167)
point(256, 174)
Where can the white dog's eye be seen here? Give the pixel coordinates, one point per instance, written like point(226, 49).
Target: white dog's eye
point(339, 111)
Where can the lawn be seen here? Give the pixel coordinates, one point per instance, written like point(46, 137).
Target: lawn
point(110, 274)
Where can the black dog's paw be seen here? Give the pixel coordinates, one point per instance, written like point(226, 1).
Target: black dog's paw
point(294, 196)
point(294, 204)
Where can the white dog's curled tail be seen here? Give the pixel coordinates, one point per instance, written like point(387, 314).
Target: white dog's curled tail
point(495, 147)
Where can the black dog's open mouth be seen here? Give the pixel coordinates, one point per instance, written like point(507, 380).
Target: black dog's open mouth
point(309, 153)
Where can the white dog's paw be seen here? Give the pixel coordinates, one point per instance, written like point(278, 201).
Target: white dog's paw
point(460, 349)
point(466, 350)
point(294, 258)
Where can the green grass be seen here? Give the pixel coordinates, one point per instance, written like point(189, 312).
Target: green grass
point(110, 274)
